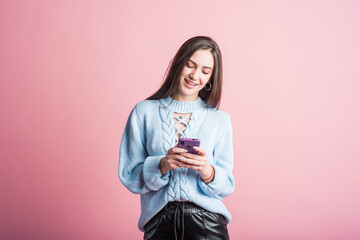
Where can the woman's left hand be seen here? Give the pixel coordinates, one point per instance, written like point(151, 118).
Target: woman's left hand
point(197, 162)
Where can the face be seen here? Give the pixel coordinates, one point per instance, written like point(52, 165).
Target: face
point(196, 73)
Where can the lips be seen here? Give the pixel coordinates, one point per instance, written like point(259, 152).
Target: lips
point(190, 83)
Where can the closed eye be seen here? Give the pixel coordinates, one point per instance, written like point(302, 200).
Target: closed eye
point(190, 65)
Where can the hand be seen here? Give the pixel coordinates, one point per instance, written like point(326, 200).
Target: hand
point(198, 163)
point(172, 159)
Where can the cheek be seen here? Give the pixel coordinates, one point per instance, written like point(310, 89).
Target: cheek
point(185, 72)
point(204, 80)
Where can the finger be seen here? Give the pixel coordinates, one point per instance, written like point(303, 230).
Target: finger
point(191, 161)
point(176, 164)
point(200, 150)
point(196, 157)
point(173, 163)
point(180, 165)
point(177, 150)
point(194, 167)
point(180, 160)
point(175, 157)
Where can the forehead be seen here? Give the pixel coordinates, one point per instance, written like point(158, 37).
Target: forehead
point(203, 58)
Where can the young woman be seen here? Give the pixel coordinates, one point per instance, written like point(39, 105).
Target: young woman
point(181, 192)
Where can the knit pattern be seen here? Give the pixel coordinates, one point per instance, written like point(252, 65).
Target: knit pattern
point(151, 130)
point(178, 190)
point(168, 133)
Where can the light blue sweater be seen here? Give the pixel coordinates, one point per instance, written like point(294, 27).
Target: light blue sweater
point(150, 132)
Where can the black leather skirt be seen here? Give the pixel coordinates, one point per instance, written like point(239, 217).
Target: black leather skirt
point(185, 220)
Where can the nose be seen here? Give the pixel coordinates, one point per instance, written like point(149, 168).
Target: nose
point(195, 74)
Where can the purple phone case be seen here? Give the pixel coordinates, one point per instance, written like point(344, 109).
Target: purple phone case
point(188, 144)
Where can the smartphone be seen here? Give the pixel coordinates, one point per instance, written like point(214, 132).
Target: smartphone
point(189, 144)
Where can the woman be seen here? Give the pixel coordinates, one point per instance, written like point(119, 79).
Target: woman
point(181, 192)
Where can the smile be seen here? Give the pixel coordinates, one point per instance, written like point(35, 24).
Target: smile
point(190, 83)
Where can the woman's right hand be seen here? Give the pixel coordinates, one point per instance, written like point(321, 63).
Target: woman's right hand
point(172, 159)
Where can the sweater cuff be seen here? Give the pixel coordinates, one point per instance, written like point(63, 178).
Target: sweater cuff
point(216, 187)
point(152, 174)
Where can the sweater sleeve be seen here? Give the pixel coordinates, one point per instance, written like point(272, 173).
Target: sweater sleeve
point(224, 182)
point(138, 171)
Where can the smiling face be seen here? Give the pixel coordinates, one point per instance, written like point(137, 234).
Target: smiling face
point(195, 74)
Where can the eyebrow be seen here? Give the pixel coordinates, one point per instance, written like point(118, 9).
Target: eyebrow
point(196, 64)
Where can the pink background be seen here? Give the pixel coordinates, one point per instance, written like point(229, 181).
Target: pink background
point(71, 71)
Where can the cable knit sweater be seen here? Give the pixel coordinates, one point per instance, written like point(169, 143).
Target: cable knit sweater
point(149, 133)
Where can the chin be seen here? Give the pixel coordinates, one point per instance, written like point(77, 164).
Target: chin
point(188, 92)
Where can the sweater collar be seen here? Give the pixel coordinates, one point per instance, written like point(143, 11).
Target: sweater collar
point(182, 107)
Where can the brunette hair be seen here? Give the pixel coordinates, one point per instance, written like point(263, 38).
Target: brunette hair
point(171, 82)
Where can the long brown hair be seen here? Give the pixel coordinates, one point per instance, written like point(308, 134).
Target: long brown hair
point(171, 83)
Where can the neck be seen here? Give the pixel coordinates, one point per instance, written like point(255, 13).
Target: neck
point(181, 98)
point(182, 106)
